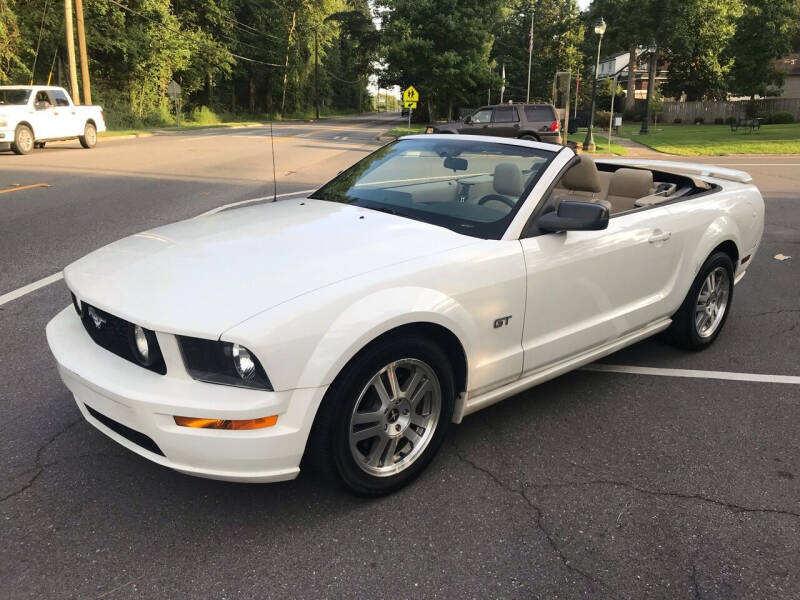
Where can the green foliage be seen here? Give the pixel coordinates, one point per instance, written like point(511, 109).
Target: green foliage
point(766, 31)
point(441, 47)
point(202, 115)
point(781, 117)
point(11, 44)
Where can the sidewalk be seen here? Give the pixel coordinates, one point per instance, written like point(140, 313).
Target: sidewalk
point(638, 150)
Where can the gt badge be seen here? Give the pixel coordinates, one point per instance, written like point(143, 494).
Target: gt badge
point(501, 321)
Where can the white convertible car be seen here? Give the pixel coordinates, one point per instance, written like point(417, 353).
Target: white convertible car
point(437, 276)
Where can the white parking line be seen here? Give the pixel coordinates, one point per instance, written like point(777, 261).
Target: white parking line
point(32, 287)
point(691, 373)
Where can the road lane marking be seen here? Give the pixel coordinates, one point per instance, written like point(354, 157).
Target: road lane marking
point(692, 373)
point(17, 188)
point(31, 287)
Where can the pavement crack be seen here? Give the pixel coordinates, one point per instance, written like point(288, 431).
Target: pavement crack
point(39, 468)
point(537, 512)
point(775, 312)
point(699, 497)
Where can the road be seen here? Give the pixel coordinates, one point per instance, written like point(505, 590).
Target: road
point(594, 485)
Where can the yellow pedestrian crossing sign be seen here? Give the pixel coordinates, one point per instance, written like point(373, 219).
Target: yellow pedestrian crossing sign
point(410, 95)
point(408, 104)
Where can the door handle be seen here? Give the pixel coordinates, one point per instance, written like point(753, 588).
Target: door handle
point(659, 236)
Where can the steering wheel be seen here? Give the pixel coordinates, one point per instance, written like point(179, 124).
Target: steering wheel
point(498, 198)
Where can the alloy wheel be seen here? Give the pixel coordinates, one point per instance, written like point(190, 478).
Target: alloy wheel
point(712, 301)
point(395, 417)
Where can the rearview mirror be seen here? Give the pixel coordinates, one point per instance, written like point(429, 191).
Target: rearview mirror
point(457, 164)
point(574, 215)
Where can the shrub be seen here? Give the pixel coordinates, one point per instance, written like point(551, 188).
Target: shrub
point(677, 120)
point(719, 121)
point(699, 121)
point(782, 117)
point(202, 115)
point(601, 118)
point(632, 114)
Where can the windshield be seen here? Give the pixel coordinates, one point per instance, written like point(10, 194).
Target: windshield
point(470, 187)
point(14, 96)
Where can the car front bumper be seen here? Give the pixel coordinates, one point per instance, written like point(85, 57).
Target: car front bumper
point(126, 402)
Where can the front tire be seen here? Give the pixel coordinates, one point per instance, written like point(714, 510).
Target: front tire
point(23, 140)
point(703, 313)
point(89, 138)
point(385, 416)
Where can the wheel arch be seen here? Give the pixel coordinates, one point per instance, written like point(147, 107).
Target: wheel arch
point(91, 121)
point(28, 125)
point(532, 134)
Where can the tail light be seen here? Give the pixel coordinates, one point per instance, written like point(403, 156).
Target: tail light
point(103, 115)
point(554, 126)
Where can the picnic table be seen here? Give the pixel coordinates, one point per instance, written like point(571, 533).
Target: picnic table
point(750, 124)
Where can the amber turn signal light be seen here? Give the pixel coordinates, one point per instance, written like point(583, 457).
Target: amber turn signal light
point(259, 423)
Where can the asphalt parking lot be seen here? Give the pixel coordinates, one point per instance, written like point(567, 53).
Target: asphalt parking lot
point(599, 484)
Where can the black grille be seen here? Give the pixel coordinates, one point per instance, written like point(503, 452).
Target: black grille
point(129, 434)
point(116, 335)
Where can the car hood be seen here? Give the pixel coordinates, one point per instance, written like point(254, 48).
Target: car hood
point(202, 276)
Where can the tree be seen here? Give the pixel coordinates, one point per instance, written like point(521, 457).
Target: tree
point(557, 36)
point(441, 47)
point(766, 31)
point(10, 43)
point(696, 36)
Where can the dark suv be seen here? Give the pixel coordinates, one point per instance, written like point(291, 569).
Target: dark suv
point(527, 121)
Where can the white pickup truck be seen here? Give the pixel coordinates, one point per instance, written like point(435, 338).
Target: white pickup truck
point(31, 115)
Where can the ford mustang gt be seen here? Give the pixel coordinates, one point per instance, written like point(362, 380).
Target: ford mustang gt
point(437, 276)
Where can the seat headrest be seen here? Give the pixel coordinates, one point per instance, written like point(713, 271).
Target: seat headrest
point(631, 183)
point(508, 180)
point(582, 176)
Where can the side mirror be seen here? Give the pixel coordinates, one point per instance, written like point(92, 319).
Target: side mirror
point(574, 215)
point(468, 120)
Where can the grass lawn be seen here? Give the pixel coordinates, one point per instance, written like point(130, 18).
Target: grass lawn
point(601, 141)
point(401, 130)
point(714, 140)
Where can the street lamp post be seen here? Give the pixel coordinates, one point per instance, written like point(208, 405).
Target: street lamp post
point(530, 59)
point(588, 143)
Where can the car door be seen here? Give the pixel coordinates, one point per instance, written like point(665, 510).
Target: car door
point(505, 122)
point(42, 117)
point(67, 122)
point(479, 123)
point(588, 288)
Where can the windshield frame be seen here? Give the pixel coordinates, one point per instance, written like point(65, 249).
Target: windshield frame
point(493, 230)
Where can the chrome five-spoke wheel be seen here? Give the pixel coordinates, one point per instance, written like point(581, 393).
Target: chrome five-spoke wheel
point(712, 301)
point(395, 417)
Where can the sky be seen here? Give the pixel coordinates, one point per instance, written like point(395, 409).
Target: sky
point(584, 4)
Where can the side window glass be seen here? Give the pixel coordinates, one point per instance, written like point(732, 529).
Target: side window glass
point(60, 98)
point(482, 116)
point(504, 114)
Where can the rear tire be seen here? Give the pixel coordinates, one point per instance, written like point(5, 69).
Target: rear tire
point(23, 140)
point(703, 313)
point(89, 138)
point(530, 138)
point(364, 429)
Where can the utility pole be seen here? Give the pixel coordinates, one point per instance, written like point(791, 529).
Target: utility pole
point(316, 74)
point(530, 59)
point(87, 92)
point(651, 84)
point(73, 75)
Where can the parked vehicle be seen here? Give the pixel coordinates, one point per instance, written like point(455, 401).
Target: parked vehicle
point(33, 115)
point(435, 277)
point(535, 122)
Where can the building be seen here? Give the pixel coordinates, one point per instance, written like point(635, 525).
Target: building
point(618, 63)
point(791, 84)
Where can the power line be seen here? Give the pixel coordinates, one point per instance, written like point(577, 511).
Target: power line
point(251, 30)
point(183, 35)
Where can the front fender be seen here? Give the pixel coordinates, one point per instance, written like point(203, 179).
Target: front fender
point(376, 314)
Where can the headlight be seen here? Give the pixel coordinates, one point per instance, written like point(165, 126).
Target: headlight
point(222, 362)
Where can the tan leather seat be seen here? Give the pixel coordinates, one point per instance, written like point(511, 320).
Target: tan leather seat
point(582, 181)
point(627, 186)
